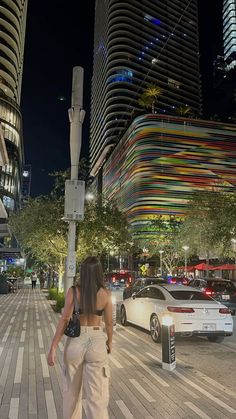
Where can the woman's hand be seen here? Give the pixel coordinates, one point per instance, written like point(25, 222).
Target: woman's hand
point(51, 357)
point(109, 347)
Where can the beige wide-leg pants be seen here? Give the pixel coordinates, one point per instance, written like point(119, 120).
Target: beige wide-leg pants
point(86, 364)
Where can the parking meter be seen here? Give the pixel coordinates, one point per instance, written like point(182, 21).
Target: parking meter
point(168, 343)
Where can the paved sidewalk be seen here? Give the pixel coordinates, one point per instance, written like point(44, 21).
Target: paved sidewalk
point(139, 387)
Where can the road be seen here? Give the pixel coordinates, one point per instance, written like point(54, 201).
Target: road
point(216, 360)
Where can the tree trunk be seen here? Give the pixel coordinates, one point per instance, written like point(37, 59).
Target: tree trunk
point(60, 274)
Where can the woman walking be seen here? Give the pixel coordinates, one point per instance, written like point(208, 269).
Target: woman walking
point(85, 357)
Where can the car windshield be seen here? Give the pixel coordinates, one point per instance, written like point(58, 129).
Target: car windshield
point(220, 286)
point(189, 295)
point(151, 281)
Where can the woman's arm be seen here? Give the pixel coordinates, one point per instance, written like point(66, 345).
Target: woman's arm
point(108, 321)
point(66, 315)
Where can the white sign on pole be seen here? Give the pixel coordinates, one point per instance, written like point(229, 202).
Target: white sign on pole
point(74, 200)
point(71, 264)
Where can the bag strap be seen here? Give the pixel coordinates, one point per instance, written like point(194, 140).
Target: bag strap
point(76, 303)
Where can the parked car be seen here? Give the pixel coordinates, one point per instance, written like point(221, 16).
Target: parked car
point(193, 312)
point(178, 280)
point(198, 283)
point(118, 279)
point(222, 290)
point(140, 283)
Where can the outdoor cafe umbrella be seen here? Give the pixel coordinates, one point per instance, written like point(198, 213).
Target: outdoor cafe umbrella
point(204, 267)
point(225, 267)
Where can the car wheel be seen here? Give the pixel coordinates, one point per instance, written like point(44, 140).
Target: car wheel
point(217, 339)
point(155, 328)
point(123, 318)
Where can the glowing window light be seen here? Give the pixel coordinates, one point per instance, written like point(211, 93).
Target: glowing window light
point(152, 19)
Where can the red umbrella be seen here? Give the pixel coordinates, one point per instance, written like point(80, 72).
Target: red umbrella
point(225, 267)
point(189, 268)
point(204, 267)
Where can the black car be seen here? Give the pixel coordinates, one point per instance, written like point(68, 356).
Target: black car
point(222, 290)
point(140, 283)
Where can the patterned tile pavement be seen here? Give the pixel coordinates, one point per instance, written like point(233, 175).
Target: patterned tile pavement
point(139, 388)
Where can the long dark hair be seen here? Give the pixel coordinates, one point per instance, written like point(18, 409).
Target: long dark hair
point(91, 280)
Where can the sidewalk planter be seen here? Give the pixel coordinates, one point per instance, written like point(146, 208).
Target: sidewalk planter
point(60, 302)
point(4, 287)
point(57, 299)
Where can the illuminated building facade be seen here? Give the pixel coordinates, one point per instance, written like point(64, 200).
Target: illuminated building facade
point(229, 33)
point(137, 44)
point(162, 160)
point(12, 35)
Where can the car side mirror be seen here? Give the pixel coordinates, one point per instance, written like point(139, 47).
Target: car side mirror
point(133, 295)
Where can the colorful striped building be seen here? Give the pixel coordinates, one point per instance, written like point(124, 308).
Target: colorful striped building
point(162, 160)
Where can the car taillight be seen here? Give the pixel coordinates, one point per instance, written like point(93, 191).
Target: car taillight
point(130, 279)
point(209, 292)
point(113, 279)
point(180, 309)
point(224, 310)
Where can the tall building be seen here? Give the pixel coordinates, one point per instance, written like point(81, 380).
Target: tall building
point(12, 36)
point(223, 102)
point(161, 160)
point(137, 44)
point(229, 33)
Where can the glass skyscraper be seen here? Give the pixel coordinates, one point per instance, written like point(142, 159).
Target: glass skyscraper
point(12, 36)
point(229, 33)
point(137, 44)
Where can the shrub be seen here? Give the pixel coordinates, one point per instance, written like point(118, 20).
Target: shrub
point(52, 293)
point(60, 301)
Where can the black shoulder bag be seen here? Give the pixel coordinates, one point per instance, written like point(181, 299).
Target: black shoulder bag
point(73, 328)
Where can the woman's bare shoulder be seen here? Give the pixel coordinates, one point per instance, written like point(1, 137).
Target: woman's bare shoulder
point(105, 292)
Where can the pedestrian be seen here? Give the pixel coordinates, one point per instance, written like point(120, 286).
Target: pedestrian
point(33, 280)
point(85, 357)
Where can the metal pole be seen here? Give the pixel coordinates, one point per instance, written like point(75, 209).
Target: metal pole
point(185, 262)
point(76, 118)
point(161, 252)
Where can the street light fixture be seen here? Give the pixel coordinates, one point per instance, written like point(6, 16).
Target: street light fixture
point(161, 253)
point(185, 248)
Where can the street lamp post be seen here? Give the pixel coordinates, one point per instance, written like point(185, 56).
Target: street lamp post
point(185, 248)
point(74, 189)
point(161, 253)
point(233, 241)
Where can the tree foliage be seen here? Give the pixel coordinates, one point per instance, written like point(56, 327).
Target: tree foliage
point(42, 232)
point(184, 110)
point(149, 97)
point(211, 223)
point(165, 237)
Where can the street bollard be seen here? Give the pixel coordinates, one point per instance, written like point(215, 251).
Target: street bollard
point(168, 343)
point(114, 308)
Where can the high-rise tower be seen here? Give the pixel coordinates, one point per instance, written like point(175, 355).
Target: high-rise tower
point(137, 44)
point(229, 33)
point(12, 35)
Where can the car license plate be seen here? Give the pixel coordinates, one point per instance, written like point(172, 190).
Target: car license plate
point(225, 297)
point(209, 326)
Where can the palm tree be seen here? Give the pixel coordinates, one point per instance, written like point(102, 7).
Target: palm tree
point(150, 96)
point(145, 102)
point(184, 110)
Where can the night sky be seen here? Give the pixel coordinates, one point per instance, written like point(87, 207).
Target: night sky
point(57, 39)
